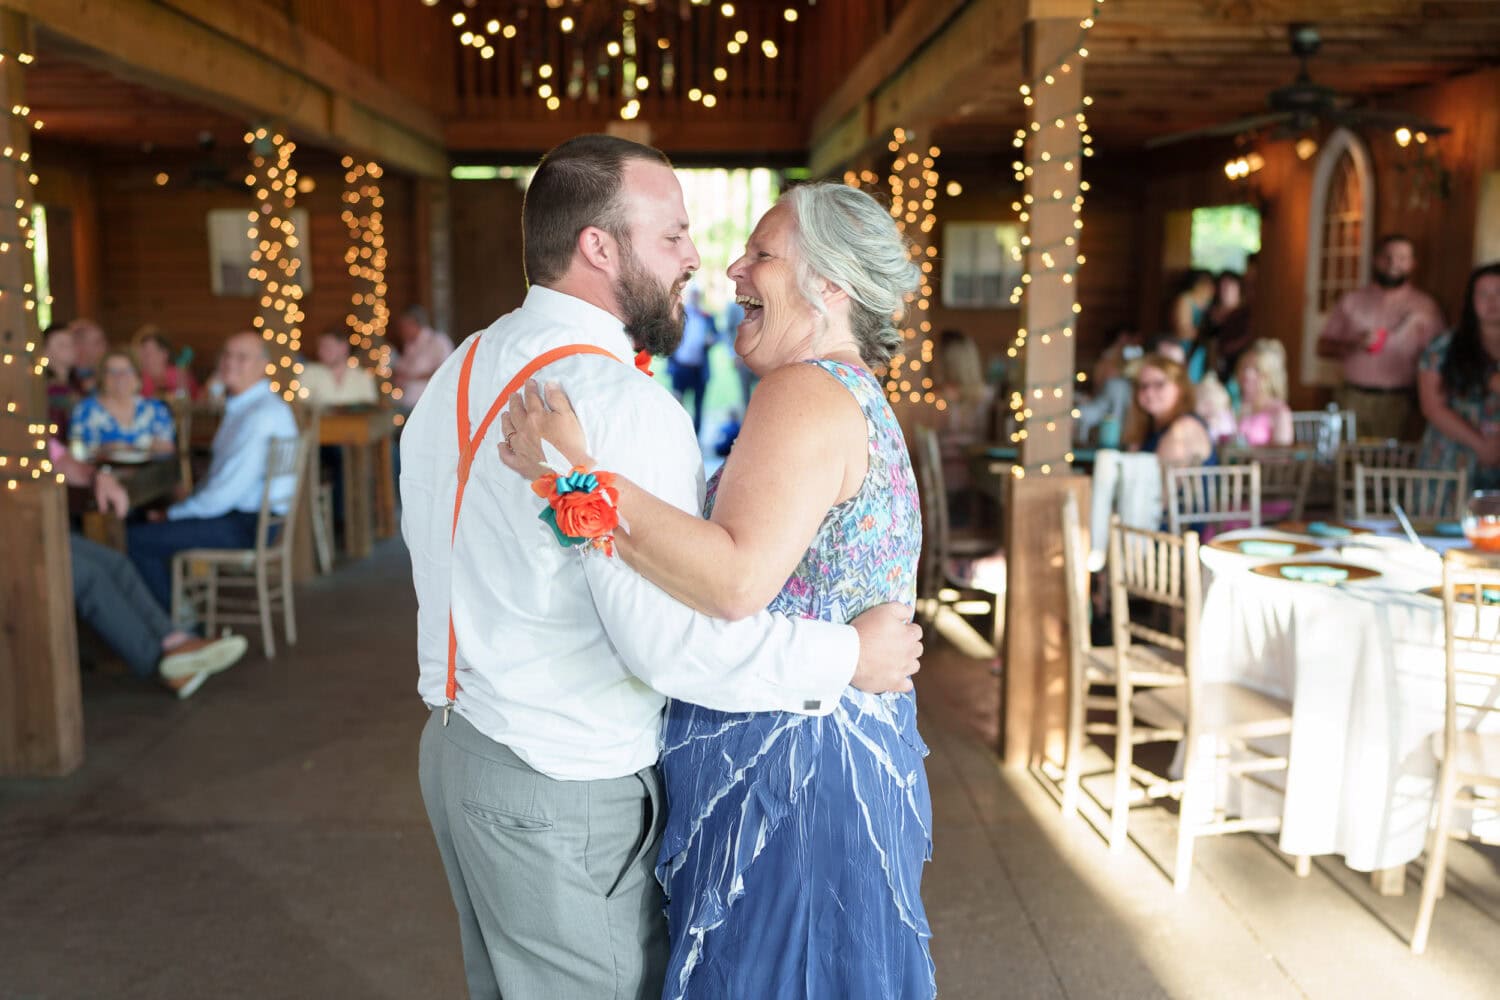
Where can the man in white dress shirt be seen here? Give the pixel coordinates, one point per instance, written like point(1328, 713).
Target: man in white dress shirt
point(541, 784)
point(222, 512)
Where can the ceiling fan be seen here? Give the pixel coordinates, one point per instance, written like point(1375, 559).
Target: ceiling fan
point(1303, 106)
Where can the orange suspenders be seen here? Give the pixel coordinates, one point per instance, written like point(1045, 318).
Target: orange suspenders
point(468, 448)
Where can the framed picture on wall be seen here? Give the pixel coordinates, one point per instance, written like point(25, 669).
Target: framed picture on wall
point(230, 246)
point(979, 264)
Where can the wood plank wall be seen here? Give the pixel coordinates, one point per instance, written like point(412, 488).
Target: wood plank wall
point(145, 248)
point(1442, 229)
point(407, 44)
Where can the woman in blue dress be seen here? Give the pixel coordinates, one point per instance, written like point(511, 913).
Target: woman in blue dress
point(118, 416)
point(794, 844)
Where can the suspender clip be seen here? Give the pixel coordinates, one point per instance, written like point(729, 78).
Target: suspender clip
point(446, 709)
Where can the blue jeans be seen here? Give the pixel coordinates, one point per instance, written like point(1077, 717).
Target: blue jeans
point(112, 599)
point(153, 544)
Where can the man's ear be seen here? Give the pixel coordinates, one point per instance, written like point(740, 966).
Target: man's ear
point(598, 249)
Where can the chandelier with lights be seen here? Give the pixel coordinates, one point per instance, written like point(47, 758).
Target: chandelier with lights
point(619, 51)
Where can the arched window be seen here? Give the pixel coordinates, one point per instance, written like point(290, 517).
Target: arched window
point(1339, 240)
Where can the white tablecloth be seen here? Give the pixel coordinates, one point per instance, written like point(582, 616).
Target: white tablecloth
point(1362, 665)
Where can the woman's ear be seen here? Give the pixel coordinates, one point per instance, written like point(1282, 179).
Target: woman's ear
point(832, 294)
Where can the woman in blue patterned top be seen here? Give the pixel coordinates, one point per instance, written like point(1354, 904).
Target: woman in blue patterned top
point(1458, 384)
point(118, 416)
point(794, 845)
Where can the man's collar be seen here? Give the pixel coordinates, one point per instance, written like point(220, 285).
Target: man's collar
point(243, 398)
point(593, 325)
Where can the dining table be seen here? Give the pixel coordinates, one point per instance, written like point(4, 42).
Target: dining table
point(147, 482)
point(1357, 649)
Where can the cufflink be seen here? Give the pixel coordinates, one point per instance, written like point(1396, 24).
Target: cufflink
point(811, 706)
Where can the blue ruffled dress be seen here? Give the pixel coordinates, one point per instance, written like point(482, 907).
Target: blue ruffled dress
point(793, 852)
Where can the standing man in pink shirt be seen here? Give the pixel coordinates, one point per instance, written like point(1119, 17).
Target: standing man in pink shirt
point(423, 351)
point(1379, 332)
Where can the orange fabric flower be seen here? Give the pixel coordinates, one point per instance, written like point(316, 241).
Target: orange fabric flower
point(586, 515)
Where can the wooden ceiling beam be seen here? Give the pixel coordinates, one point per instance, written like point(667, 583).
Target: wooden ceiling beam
point(323, 99)
point(526, 140)
point(981, 40)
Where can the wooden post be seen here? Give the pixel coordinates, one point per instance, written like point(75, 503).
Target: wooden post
point(1034, 695)
point(434, 252)
point(41, 718)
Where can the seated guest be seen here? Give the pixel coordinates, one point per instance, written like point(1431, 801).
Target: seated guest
point(63, 389)
point(1265, 417)
point(119, 416)
point(1227, 301)
point(1162, 421)
point(159, 376)
point(970, 416)
point(111, 598)
point(1213, 404)
point(1125, 345)
point(423, 351)
point(1459, 387)
point(222, 513)
point(92, 345)
point(336, 378)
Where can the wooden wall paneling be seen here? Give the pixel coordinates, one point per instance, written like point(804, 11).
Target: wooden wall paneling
point(487, 269)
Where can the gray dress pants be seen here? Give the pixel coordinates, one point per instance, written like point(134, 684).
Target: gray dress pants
point(112, 598)
point(554, 881)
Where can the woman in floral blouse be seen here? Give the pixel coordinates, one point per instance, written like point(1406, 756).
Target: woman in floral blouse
point(1459, 387)
point(118, 416)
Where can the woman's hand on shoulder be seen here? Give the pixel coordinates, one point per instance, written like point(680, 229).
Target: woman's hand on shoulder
point(535, 415)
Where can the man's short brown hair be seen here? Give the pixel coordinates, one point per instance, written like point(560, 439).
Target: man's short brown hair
point(577, 185)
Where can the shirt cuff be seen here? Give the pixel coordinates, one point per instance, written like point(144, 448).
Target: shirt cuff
point(833, 655)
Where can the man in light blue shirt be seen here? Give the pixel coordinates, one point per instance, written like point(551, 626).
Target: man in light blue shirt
point(222, 513)
point(689, 363)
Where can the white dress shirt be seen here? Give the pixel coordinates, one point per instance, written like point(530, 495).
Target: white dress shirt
point(237, 473)
point(325, 389)
point(566, 656)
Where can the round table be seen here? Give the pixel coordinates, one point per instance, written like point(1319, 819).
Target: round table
point(1362, 664)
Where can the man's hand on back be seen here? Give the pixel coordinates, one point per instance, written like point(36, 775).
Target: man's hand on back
point(889, 648)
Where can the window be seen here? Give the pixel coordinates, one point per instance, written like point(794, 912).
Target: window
point(230, 246)
point(1338, 241)
point(1223, 236)
point(981, 264)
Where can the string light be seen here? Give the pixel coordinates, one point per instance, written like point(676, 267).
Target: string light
point(622, 49)
point(1049, 403)
point(274, 263)
point(369, 314)
point(913, 183)
point(19, 427)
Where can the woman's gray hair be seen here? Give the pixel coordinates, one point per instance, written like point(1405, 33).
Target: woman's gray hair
point(845, 237)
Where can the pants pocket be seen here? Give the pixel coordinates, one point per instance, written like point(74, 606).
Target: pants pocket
point(645, 845)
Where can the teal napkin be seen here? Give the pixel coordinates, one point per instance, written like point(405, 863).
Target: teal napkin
point(1322, 529)
point(1261, 547)
point(1315, 574)
point(1448, 529)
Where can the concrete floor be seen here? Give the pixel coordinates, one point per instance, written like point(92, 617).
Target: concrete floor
point(266, 839)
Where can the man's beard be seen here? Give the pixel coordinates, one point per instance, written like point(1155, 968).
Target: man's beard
point(1387, 280)
point(649, 310)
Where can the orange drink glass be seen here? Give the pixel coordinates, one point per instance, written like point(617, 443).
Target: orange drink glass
point(1482, 520)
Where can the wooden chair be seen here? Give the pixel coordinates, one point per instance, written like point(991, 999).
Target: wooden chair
point(949, 559)
point(1151, 570)
point(309, 419)
point(1285, 476)
point(1424, 494)
point(1212, 494)
point(182, 423)
point(1146, 665)
point(1322, 430)
point(1468, 759)
point(1372, 455)
point(266, 568)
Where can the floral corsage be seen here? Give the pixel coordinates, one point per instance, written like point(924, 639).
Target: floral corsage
point(583, 507)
